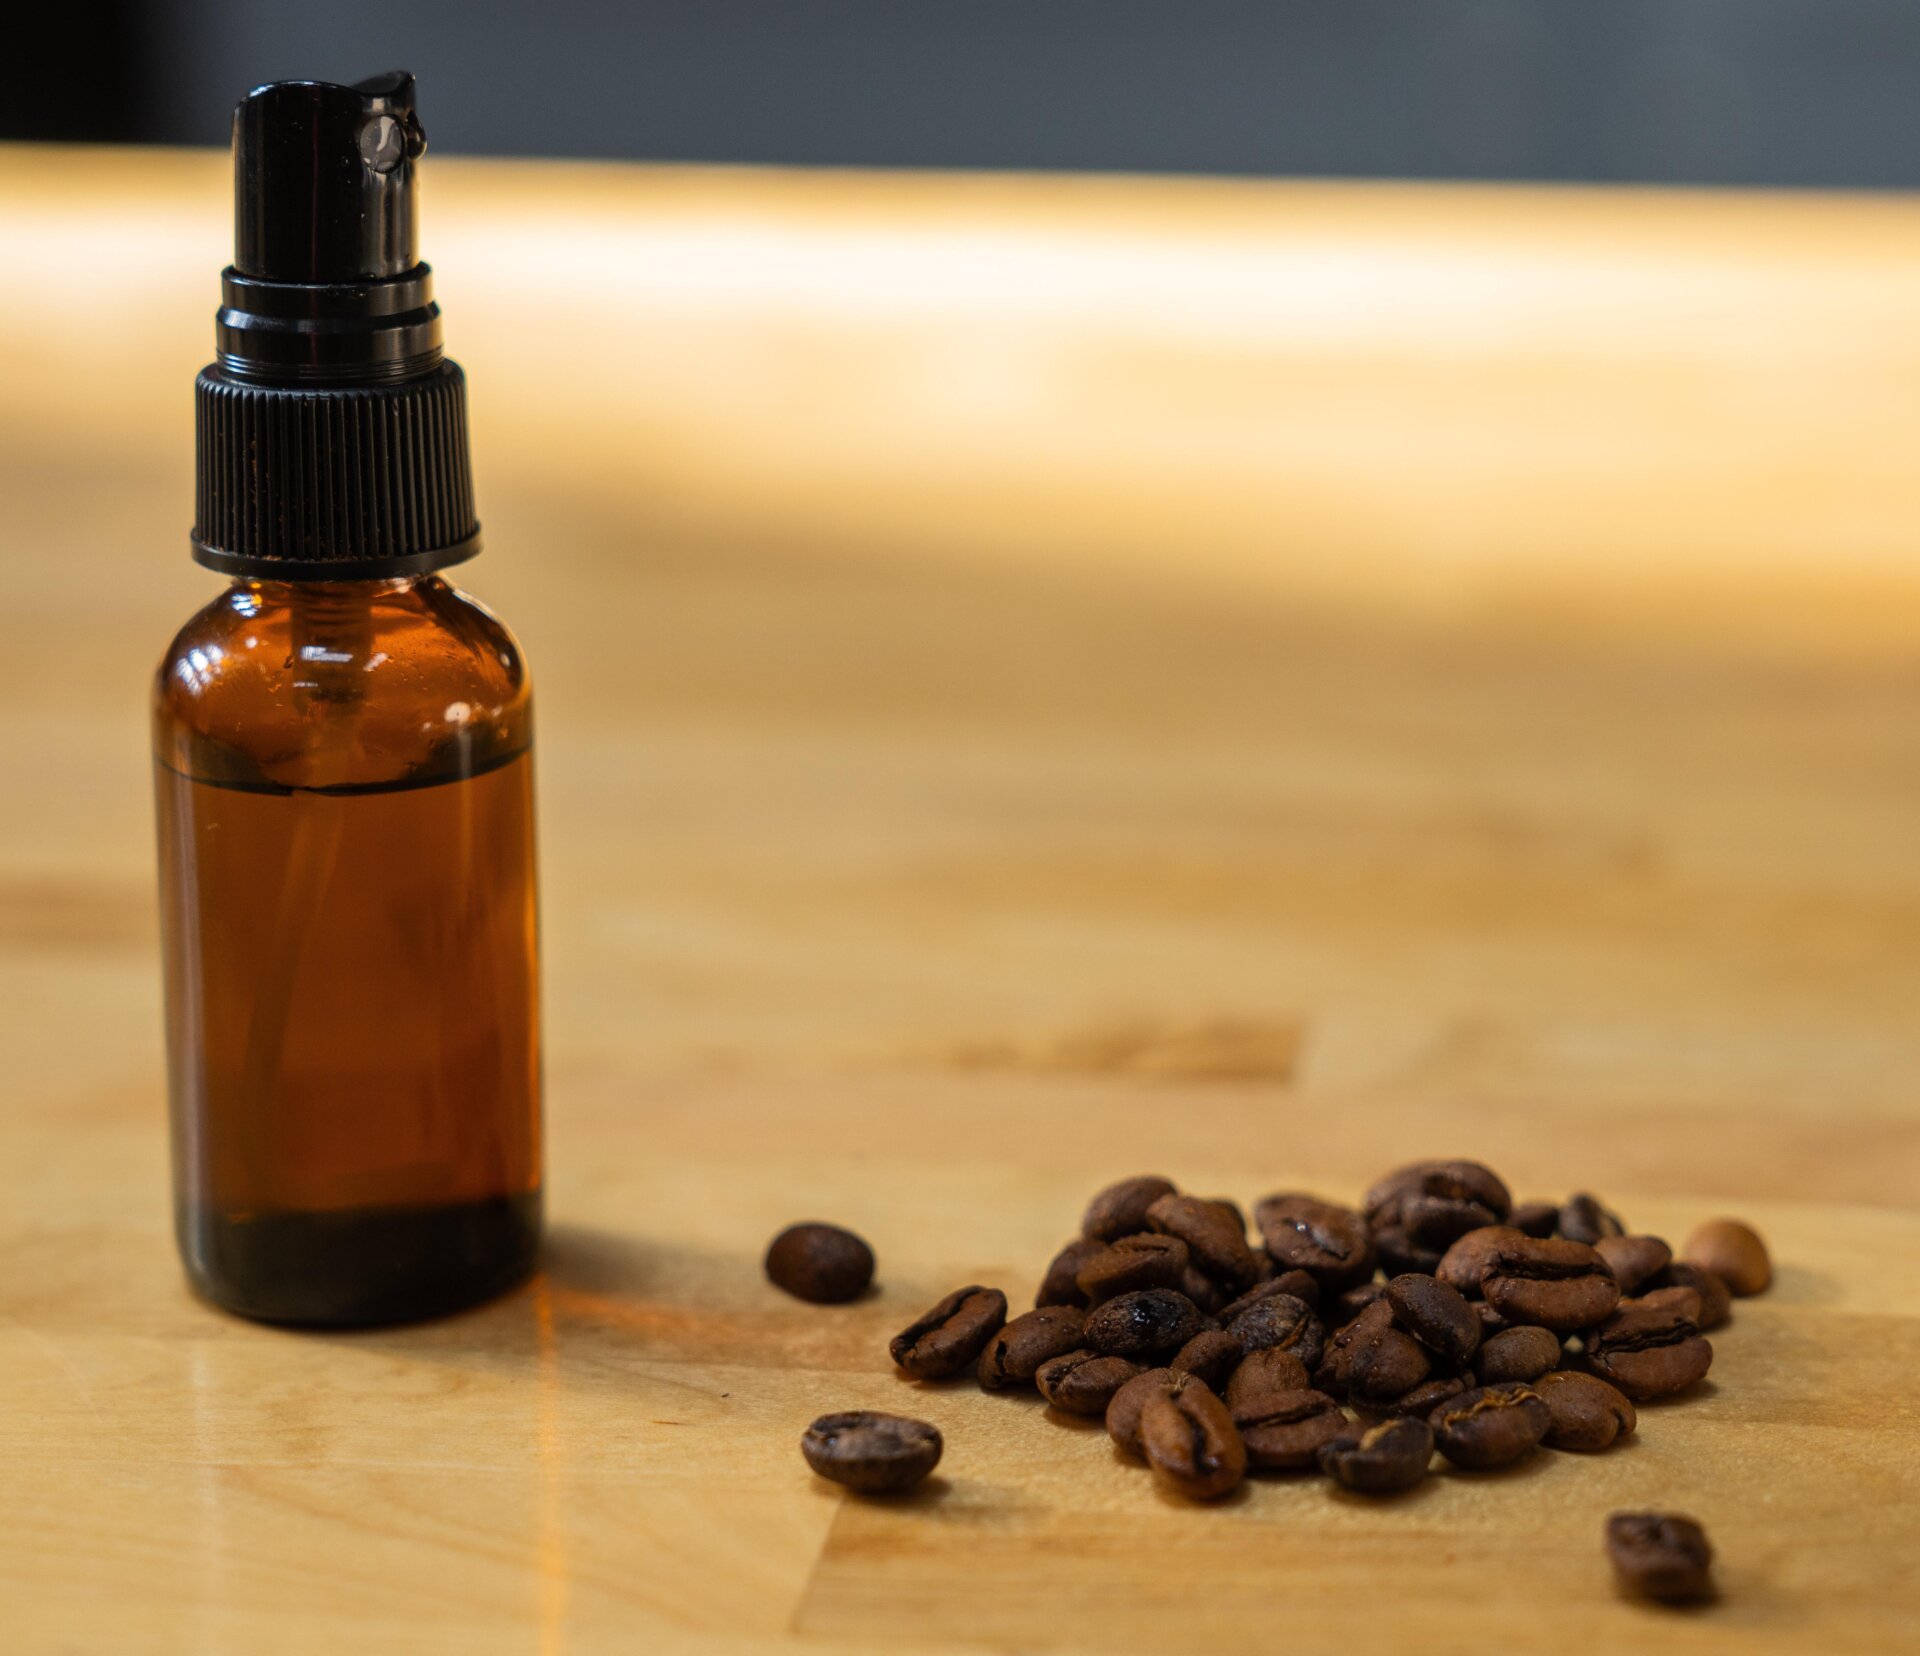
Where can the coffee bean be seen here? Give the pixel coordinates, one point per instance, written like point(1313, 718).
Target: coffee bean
point(1660, 1555)
point(1538, 1219)
point(1215, 1237)
point(1419, 1400)
point(1190, 1440)
point(1583, 1219)
point(1263, 1375)
point(1014, 1355)
point(1382, 1459)
point(1329, 1242)
point(874, 1454)
point(1131, 1263)
point(1587, 1414)
point(1399, 1253)
point(1716, 1302)
point(1387, 1364)
point(1212, 1354)
point(1491, 1322)
point(1648, 1352)
point(1434, 1203)
point(1121, 1209)
point(1559, 1285)
point(952, 1335)
point(1733, 1252)
point(1518, 1354)
point(1236, 1214)
point(1152, 1322)
point(819, 1262)
point(1633, 1259)
point(1679, 1302)
point(1283, 1321)
point(1491, 1426)
point(1295, 1283)
point(1349, 1305)
point(1436, 1315)
point(1463, 1265)
point(1081, 1382)
point(1123, 1412)
point(1061, 1285)
point(1285, 1433)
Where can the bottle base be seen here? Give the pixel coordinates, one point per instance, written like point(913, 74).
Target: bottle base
point(360, 1267)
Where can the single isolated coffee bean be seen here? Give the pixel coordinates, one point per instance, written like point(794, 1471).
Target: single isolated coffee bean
point(1436, 1315)
point(1123, 1411)
point(873, 1454)
point(1014, 1355)
point(1329, 1242)
point(1663, 1556)
point(1490, 1427)
point(819, 1262)
point(1061, 1285)
point(1213, 1354)
point(1463, 1265)
point(1081, 1382)
point(1121, 1209)
point(1517, 1354)
point(1215, 1235)
point(1716, 1302)
point(1131, 1263)
point(1648, 1352)
point(1153, 1322)
point(1583, 1219)
point(1435, 1203)
point(951, 1336)
point(1588, 1415)
point(1382, 1459)
point(1286, 1433)
point(1295, 1283)
point(1190, 1441)
point(1633, 1259)
point(1538, 1219)
point(1281, 1320)
point(1560, 1285)
point(1733, 1252)
point(1263, 1375)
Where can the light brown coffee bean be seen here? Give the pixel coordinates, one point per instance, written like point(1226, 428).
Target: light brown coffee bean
point(1733, 1251)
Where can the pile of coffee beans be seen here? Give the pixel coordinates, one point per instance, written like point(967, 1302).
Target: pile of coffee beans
point(1440, 1316)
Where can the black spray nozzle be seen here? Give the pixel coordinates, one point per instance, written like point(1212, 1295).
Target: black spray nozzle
point(323, 180)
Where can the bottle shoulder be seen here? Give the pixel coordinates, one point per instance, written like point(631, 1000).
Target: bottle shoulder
point(336, 684)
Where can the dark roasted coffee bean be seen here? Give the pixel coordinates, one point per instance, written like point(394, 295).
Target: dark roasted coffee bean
point(1349, 1305)
point(1014, 1355)
point(1153, 1322)
point(1559, 1285)
point(1465, 1263)
point(1334, 1372)
point(1633, 1259)
point(819, 1262)
point(1491, 1426)
point(1285, 1433)
point(1491, 1322)
point(1263, 1375)
point(1539, 1219)
point(1716, 1302)
point(1399, 1253)
point(1297, 1283)
point(1283, 1321)
point(1061, 1285)
point(1648, 1352)
point(1123, 1412)
point(952, 1335)
point(1382, 1459)
point(1329, 1242)
point(1677, 1302)
point(1660, 1555)
point(1082, 1383)
point(1583, 1219)
point(1588, 1415)
point(1215, 1237)
point(1434, 1203)
point(1190, 1440)
point(1233, 1210)
point(1387, 1365)
point(1517, 1354)
point(1121, 1209)
point(1734, 1253)
point(1213, 1354)
point(1209, 1295)
point(1133, 1262)
point(1419, 1400)
point(875, 1454)
point(1436, 1315)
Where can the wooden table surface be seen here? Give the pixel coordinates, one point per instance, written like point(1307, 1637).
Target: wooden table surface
point(1040, 679)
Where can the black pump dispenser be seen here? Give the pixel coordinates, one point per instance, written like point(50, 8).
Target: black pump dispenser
point(332, 433)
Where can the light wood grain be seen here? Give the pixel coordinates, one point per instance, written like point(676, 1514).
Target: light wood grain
point(1038, 679)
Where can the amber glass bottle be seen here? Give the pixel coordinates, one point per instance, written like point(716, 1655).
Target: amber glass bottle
point(343, 771)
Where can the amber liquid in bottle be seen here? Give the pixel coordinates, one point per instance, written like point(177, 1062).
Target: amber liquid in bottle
point(344, 781)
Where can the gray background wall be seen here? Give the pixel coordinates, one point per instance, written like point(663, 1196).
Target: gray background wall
point(1795, 92)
